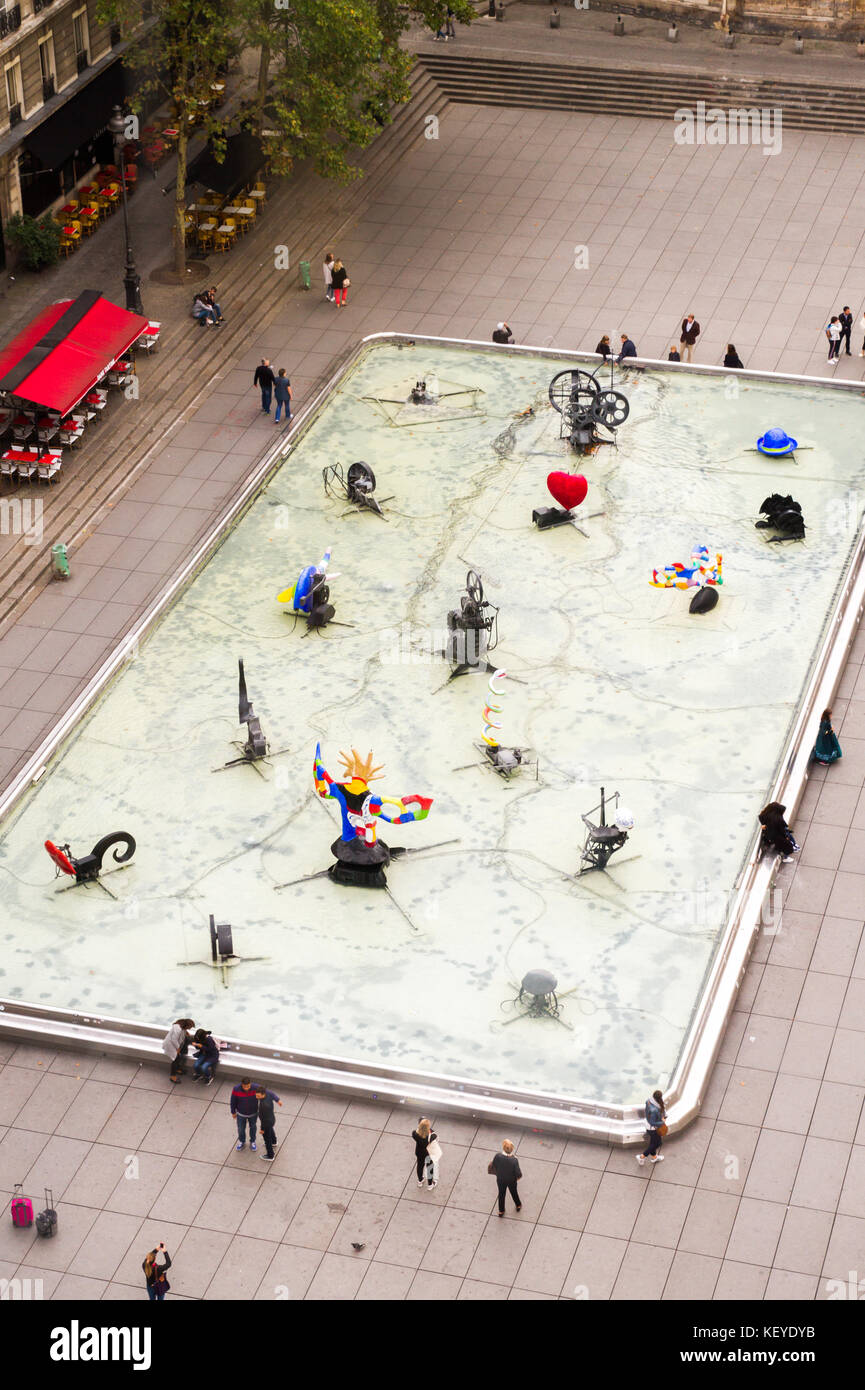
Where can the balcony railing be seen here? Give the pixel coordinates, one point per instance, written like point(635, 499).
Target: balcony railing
point(48, 88)
point(15, 114)
point(40, 5)
point(10, 20)
point(82, 60)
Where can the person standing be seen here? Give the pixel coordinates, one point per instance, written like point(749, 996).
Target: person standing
point(450, 27)
point(502, 333)
point(656, 1128)
point(690, 334)
point(244, 1108)
point(175, 1045)
point(628, 349)
point(206, 1057)
point(423, 1136)
point(827, 749)
point(264, 378)
point(341, 283)
point(282, 395)
point(328, 276)
point(845, 318)
point(266, 1100)
point(604, 347)
point(506, 1168)
point(833, 333)
point(154, 1274)
point(732, 358)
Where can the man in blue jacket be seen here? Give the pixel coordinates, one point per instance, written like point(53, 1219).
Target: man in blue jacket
point(628, 349)
point(244, 1107)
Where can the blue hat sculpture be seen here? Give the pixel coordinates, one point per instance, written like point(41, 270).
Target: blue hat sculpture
point(777, 441)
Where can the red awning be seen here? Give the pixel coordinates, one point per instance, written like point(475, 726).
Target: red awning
point(67, 348)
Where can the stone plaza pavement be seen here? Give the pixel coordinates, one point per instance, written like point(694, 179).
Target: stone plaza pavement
point(764, 1195)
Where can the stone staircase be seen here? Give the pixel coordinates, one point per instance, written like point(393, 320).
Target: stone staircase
point(622, 91)
point(304, 213)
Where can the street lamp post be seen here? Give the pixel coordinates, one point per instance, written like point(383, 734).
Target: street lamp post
point(131, 280)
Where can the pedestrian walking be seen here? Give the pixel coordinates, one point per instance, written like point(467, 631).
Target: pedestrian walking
point(423, 1136)
point(628, 349)
point(732, 358)
point(827, 749)
point(656, 1128)
point(244, 1108)
point(341, 283)
point(450, 27)
point(264, 378)
point(502, 333)
point(282, 395)
point(266, 1101)
point(674, 355)
point(206, 1056)
point(175, 1045)
point(690, 334)
point(506, 1168)
point(833, 333)
point(845, 318)
point(604, 348)
point(777, 835)
point(154, 1274)
point(327, 267)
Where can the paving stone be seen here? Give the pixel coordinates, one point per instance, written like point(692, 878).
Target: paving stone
point(91, 1107)
point(454, 1242)
point(242, 1269)
point(755, 1232)
point(131, 1118)
point(318, 1216)
point(385, 1283)
point(228, 1198)
point(289, 1274)
point(691, 1277)
point(105, 1244)
point(804, 1240)
point(773, 1168)
point(143, 1178)
point(301, 1151)
point(408, 1234)
point(792, 1102)
point(181, 1198)
point(433, 1287)
point(837, 1111)
point(643, 1273)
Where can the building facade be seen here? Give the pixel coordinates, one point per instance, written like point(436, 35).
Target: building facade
point(61, 76)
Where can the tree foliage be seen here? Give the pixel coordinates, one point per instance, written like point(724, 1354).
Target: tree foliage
point(38, 241)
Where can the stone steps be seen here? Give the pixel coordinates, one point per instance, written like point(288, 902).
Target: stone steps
point(482, 81)
point(303, 213)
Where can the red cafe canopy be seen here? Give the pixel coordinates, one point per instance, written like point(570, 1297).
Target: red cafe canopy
point(66, 349)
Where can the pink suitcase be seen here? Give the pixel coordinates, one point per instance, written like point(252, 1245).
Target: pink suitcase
point(22, 1207)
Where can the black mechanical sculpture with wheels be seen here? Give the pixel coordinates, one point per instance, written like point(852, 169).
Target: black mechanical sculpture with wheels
point(585, 406)
point(357, 486)
point(472, 630)
point(256, 748)
point(603, 840)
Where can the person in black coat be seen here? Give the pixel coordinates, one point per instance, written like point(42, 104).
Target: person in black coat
point(732, 358)
point(423, 1137)
point(502, 333)
point(604, 347)
point(845, 318)
point(264, 378)
point(674, 354)
point(154, 1274)
point(777, 835)
point(507, 1172)
point(206, 1056)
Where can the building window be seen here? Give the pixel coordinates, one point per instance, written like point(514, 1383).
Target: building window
point(10, 19)
point(82, 39)
point(46, 64)
point(13, 91)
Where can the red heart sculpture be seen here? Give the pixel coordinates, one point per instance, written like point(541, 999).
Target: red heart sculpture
point(569, 489)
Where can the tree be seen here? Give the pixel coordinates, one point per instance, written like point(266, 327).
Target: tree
point(329, 71)
point(38, 242)
point(176, 56)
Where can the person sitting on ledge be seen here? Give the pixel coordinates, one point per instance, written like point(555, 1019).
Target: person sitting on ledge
point(502, 334)
point(777, 835)
point(674, 355)
point(604, 347)
point(628, 349)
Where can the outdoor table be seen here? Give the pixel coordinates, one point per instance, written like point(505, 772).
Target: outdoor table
point(25, 462)
point(70, 430)
point(171, 132)
point(46, 430)
point(97, 399)
point(22, 428)
point(227, 229)
point(69, 210)
point(209, 208)
point(209, 226)
point(256, 193)
point(239, 212)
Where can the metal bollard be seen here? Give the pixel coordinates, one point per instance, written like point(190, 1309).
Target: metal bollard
point(305, 281)
point(619, 27)
point(59, 561)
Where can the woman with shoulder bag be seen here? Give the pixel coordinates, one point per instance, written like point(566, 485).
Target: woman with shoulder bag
point(340, 282)
point(423, 1136)
point(155, 1275)
point(656, 1128)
